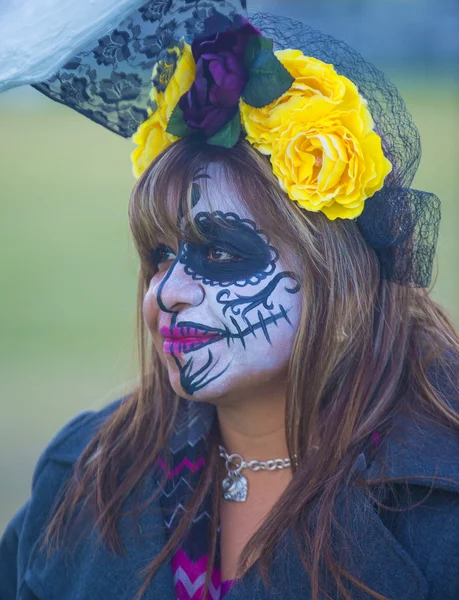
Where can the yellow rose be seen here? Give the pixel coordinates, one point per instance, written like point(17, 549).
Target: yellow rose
point(171, 79)
point(152, 138)
point(317, 88)
point(332, 164)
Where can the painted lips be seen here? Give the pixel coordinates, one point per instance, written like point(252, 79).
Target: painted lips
point(185, 339)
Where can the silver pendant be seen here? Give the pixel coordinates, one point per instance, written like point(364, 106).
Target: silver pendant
point(235, 487)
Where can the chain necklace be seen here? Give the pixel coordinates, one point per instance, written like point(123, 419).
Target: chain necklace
point(235, 485)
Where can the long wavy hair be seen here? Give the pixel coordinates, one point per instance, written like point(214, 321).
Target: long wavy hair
point(359, 361)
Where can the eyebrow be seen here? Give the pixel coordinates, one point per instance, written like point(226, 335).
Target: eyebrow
point(236, 232)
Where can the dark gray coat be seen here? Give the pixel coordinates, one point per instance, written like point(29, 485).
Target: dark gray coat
point(411, 555)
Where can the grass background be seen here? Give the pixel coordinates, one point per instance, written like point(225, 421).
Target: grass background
point(68, 267)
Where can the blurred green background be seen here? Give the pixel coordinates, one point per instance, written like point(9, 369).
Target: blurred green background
point(68, 268)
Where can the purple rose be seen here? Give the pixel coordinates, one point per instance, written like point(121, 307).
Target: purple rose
point(213, 98)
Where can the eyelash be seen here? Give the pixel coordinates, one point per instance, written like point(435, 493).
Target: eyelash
point(232, 257)
point(158, 255)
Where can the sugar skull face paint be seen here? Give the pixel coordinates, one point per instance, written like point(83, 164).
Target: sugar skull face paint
point(221, 307)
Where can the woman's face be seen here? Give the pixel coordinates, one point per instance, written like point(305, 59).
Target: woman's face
point(223, 312)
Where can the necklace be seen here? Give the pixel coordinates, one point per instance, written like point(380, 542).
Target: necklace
point(234, 485)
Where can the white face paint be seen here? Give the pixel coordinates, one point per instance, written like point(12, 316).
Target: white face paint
point(223, 313)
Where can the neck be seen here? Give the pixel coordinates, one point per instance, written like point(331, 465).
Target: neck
point(254, 424)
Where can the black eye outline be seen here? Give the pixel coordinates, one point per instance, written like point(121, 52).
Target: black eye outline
point(202, 221)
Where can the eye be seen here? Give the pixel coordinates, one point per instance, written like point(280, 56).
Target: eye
point(161, 254)
point(216, 254)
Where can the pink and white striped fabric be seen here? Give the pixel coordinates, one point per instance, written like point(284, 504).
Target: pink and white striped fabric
point(189, 579)
point(188, 453)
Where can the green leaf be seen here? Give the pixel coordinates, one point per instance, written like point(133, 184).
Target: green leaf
point(266, 44)
point(228, 134)
point(268, 80)
point(253, 48)
point(176, 125)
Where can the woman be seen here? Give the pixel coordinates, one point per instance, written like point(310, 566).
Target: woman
point(295, 430)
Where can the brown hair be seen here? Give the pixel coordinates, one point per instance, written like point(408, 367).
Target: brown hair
point(359, 361)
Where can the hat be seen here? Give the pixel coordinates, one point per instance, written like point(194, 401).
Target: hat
point(337, 133)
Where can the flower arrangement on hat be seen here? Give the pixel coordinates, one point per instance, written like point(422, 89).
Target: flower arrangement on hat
point(312, 122)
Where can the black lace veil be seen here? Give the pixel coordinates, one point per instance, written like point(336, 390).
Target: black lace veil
point(110, 83)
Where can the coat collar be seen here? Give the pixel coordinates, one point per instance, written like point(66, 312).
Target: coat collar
point(414, 450)
point(93, 572)
point(418, 451)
